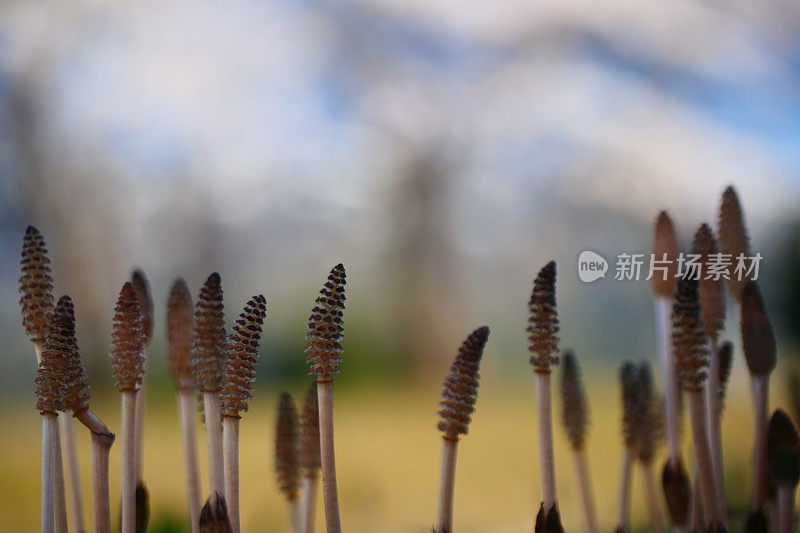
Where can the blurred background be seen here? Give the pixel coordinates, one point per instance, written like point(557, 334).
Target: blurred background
point(444, 151)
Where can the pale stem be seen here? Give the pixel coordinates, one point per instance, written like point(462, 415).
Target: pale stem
point(546, 460)
point(102, 439)
point(101, 448)
point(295, 514)
point(663, 311)
point(309, 501)
point(230, 444)
point(444, 521)
point(705, 470)
point(329, 489)
point(141, 396)
point(760, 384)
point(214, 441)
point(652, 493)
point(186, 398)
point(585, 486)
point(624, 510)
point(696, 518)
point(128, 461)
point(58, 486)
point(714, 427)
point(49, 443)
point(67, 429)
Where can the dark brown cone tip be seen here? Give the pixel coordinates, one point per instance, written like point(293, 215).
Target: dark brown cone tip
point(575, 411)
point(127, 341)
point(688, 336)
point(35, 286)
point(460, 389)
point(783, 450)
point(733, 239)
point(757, 522)
point(180, 327)
point(758, 340)
point(214, 515)
point(310, 458)
point(677, 492)
point(142, 507)
point(287, 465)
point(325, 331)
point(725, 366)
point(665, 248)
point(543, 321)
point(240, 366)
point(209, 347)
point(549, 522)
point(64, 345)
point(712, 292)
point(145, 298)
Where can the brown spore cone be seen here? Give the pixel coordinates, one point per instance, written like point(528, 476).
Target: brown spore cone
point(64, 343)
point(287, 465)
point(325, 331)
point(733, 238)
point(143, 293)
point(49, 374)
point(688, 336)
point(35, 286)
point(711, 291)
point(574, 407)
point(631, 400)
point(460, 389)
point(665, 248)
point(240, 366)
point(310, 458)
point(543, 321)
point(758, 339)
point(127, 341)
point(180, 326)
point(210, 344)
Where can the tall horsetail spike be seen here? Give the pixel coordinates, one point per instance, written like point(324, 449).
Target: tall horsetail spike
point(74, 380)
point(460, 388)
point(325, 331)
point(210, 344)
point(142, 287)
point(758, 339)
point(35, 286)
point(287, 464)
point(665, 248)
point(733, 238)
point(688, 336)
point(240, 366)
point(127, 341)
point(575, 409)
point(712, 291)
point(180, 326)
point(543, 321)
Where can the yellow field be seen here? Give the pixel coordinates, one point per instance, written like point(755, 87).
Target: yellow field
point(387, 461)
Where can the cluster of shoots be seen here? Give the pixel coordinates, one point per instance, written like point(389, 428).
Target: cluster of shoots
point(695, 363)
point(202, 359)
